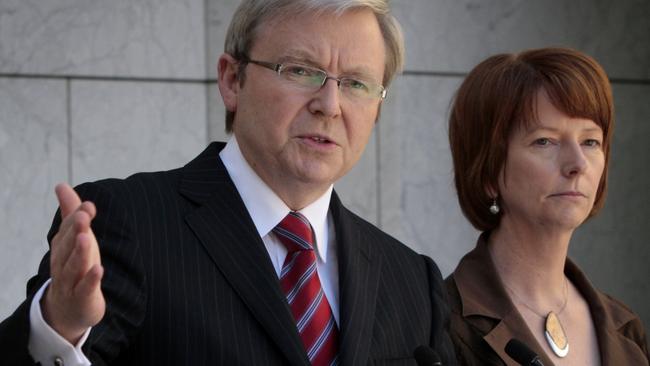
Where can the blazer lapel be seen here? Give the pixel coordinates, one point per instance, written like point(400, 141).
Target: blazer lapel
point(485, 301)
point(609, 318)
point(512, 326)
point(487, 307)
point(226, 230)
point(615, 347)
point(359, 267)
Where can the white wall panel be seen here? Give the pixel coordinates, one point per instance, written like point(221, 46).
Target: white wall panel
point(119, 128)
point(33, 158)
point(125, 38)
point(454, 35)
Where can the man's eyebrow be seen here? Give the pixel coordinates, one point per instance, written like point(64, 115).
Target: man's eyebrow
point(300, 56)
point(362, 73)
point(305, 57)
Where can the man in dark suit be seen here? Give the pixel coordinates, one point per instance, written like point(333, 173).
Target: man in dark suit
point(246, 256)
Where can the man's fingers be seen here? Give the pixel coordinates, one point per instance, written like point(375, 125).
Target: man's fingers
point(74, 300)
point(89, 208)
point(76, 217)
point(69, 200)
point(85, 233)
point(90, 282)
point(81, 221)
point(62, 245)
point(76, 265)
point(89, 288)
point(65, 240)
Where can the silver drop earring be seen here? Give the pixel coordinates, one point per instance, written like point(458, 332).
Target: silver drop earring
point(494, 207)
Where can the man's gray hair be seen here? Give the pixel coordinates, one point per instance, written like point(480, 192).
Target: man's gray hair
point(252, 13)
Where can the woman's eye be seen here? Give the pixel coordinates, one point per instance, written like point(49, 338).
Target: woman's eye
point(542, 141)
point(592, 143)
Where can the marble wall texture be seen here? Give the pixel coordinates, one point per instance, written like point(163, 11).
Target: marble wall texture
point(91, 89)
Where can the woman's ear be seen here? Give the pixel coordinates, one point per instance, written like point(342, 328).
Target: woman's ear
point(491, 191)
point(228, 80)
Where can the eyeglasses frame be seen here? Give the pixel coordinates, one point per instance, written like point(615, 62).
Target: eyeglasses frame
point(277, 67)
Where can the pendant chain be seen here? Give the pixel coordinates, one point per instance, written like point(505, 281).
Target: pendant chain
point(566, 300)
point(553, 330)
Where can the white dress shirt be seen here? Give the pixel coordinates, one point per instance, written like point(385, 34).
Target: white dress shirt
point(265, 208)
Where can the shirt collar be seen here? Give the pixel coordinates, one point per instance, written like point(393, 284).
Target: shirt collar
point(265, 207)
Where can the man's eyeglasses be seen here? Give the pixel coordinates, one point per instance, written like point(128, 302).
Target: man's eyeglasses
point(313, 79)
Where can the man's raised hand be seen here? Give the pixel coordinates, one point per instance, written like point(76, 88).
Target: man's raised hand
point(74, 300)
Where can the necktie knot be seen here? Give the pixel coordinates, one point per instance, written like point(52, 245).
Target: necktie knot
point(294, 231)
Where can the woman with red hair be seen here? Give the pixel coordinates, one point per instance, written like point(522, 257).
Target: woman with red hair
point(530, 136)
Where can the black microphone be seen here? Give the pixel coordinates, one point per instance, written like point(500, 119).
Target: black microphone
point(426, 356)
point(520, 352)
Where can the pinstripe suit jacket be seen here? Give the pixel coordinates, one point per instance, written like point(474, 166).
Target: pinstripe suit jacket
point(189, 282)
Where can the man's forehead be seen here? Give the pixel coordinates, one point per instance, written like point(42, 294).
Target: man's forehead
point(301, 40)
point(287, 13)
point(301, 22)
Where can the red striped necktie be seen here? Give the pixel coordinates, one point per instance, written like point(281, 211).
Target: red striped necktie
point(300, 283)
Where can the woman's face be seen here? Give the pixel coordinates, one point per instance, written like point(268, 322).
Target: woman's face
point(553, 170)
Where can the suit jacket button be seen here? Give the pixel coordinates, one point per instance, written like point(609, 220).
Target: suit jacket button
point(58, 361)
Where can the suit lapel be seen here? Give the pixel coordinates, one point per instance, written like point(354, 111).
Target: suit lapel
point(226, 231)
point(359, 267)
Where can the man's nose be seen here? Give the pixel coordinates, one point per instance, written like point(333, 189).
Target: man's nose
point(326, 100)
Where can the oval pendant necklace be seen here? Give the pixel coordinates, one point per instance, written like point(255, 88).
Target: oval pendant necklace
point(555, 335)
point(553, 330)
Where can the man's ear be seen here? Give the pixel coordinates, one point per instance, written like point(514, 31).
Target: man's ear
point(228, 81)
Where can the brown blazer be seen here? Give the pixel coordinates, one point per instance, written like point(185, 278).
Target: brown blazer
point(484, 319)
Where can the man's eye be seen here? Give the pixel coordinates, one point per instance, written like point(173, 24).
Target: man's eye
point(356, 84)
point(299, 71)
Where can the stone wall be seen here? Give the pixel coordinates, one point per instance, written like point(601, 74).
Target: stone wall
point(95, 89)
